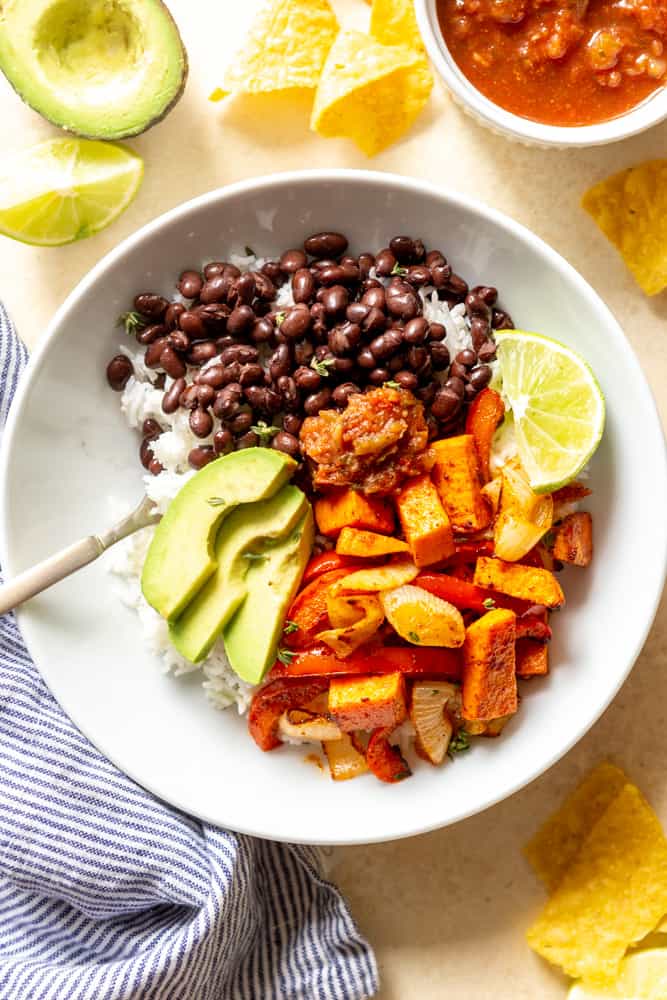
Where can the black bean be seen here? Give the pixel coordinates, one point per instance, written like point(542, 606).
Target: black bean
point(242, 353)
point(366, 261)
point(480, 376)
point(201, 422)
point(170, 400)
point(344, 368)
point(458, 370)
point(178, 340)
point(307, 379)
point(153, 352)
point(434, 259)
point(145, 453)
point(257, 397)
point(386, 344)
point(282, 441)
point(201, 456)
point(215, 289)
point(379, 375)
point(476, 306)
point(174, 310)
point(248, 440)
point(205, 395)
point(190, 284)
point(427, 393)
point(479, 330)
point(416, 330)
point(151, 333)
point(406, 250)
point(342, 393)
point(191, 323)
point(154, 467)
point(280, 362)
point(357, 312)
point(287, 388)
point(457, 385)
point(325, 245)
point(445, 403)
point(375, 297)
point(292, 260)
point(317, 401)
point(252, 374)
point(303, 353)
point(243, 289)
point(119, 370)
point(202, 352)
point(440, 275)
point(406, 380)
point(297, 322)
point(292, 423)
point(303, 285)
point(385, 262)
point(265, 290)
point(501, 320)
point(242, 422)
point(222, 441)
point(273, 402)
point(397, 363)
point(466, 357)
point(487, 351)
point(439, 355)
point(469, 392)
point(227, 401)
point(457, 286)
point(437, 332)
point(231, 373)
point(335, 301)
point(418, 275)
point(402, 301)
point(334, 274)
point(366, 358)
point(214, 376)
point(172, 364)
point(151, 305)
point(416, 358)
point(213, 268)
point(487, 292)
point(344, 338)
point(272, 269)
point(375, 322)
point(188, 398)
point(150, 428)
point(317, 265)
point(241, 320)
point(214, 315)
point(262, 331)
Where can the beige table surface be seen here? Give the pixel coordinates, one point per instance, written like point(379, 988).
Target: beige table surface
point(445, 912)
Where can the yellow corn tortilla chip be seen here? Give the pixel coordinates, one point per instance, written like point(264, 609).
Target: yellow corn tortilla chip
point(286, 47)
point(631, 210)
point(557, 843)
point(612, 895)
point(394, 22)
point(370, 93)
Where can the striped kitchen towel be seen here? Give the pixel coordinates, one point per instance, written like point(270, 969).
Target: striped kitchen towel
point(108, 894)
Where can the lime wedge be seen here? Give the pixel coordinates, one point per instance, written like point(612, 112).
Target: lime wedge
point(557, 405)
point(66, 189)
point(643, 976)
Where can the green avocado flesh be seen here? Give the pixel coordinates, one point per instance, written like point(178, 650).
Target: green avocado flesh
point(103, 69)
point(253, 635)
point(243, 541)
point(180, 558)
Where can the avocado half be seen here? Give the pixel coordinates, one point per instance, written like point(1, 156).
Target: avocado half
point(103, 69)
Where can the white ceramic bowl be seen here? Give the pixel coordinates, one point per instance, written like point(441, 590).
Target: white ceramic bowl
point(650, 112)
point(70, 461)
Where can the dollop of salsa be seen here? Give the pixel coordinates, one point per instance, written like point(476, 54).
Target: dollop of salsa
point(560, 62)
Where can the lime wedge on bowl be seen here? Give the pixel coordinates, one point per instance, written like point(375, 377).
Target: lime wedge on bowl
point(66, 189)
point(643, 976)
point(557, 405)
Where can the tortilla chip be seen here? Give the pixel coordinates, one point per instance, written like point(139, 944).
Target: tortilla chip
point(613, 894)
point(394, 22)
point(285, 48)
point(557, 843)
point(370, 93)
point(631, 210)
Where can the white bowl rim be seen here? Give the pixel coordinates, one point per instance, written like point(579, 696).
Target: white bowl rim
point(418, 187)
point(639, 118)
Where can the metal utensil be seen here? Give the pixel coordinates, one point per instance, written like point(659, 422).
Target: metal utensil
point(42, 576)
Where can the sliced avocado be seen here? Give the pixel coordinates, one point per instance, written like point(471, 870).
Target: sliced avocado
point(180, 558)
point(104, 69)
point(241, 541)
point(253, 635)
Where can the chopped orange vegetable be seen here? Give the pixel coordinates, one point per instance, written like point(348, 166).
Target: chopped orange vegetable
point(532, 658)
point(573, 539)
point(484, 415)
point(489, 678)
point(537, 586)
point(367, 702)
point(346, 508)
point(425, 522)
point(456, 476)
point(367, 544)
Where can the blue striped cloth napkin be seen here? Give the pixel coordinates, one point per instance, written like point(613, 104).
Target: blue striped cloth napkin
point(108, 894)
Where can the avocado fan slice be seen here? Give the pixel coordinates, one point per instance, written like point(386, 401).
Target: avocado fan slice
point(180, 558)
point(100, 69)
point(253, 635)
point(244, 539)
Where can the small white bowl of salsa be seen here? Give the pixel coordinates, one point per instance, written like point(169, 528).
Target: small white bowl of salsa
point(552, 72)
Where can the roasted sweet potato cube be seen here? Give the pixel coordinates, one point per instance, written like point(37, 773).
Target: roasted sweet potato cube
point(528, 583)
point(425, 522)
point(367, 702)
point(489, 676)
point(573, 539)
point(367, 544)
point(532, 658)
point(456, 476)
point(347, 508)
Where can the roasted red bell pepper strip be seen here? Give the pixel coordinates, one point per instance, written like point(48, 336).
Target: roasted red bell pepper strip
point(466, 596)
point(269, 703)
point(385, 760)
point(309, 611)
point(410, 660)
point(484, 415)
point(326, 562)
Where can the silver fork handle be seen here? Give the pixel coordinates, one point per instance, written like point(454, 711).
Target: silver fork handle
point(38, 578)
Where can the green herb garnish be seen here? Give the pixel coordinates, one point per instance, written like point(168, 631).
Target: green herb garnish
point(290, 627)
point(413, 637)
point(549, 539)
point(264, 432)
point(285, 656)
point(254, 556)
point(279, 317)
point(458, 743)
point(216, 501)
point(322, 367)
point(132, 321)
point(397, 269)
point(392, 385)
point(249, 252)
point(489, 603)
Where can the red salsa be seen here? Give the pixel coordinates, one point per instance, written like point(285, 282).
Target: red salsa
point(561, 62)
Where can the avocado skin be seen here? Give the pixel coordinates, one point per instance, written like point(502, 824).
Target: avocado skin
point(251, 528)
point(180, 558)
point(111, 133)
point(253, 635)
